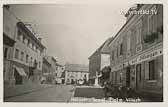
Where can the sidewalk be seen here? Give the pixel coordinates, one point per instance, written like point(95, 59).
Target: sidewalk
point(23, 89)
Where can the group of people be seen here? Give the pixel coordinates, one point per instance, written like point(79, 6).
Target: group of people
point(120, 92)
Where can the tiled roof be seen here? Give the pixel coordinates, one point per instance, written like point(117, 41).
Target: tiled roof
point(76, 67)
point(104, 48)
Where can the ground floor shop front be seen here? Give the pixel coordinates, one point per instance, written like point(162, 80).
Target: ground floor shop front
point(16, 73)
point(144, 73)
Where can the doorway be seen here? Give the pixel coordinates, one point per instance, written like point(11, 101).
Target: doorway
point(128, 77)
point(18, 78)
point(138, 76)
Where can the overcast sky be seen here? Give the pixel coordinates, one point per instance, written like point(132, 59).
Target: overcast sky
point(72, 33)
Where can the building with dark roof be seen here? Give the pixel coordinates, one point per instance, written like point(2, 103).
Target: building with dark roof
point(98, 60)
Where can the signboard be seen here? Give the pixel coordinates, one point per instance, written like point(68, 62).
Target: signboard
point(146, 56)
point(140, 58)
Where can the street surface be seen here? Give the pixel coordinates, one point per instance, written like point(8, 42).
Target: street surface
point(68, 93)
point(57, 93)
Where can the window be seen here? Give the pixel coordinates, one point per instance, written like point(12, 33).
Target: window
point(39, 64)
point(18, 34)
point(121, 49)
point(31, 61)
point(32, 46)
point(117, 52)
point(152, 21)
point(28, 43)
point(128, 40)
point(138, 32)
point(24, 39)
point(27, 58)
point(112, 55)
point(152, 70)
point(22, 56)
point(17, 53)
point(120, 77)
point(138, 70)
point(5, 53)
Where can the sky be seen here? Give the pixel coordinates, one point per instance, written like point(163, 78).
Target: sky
point(72, 32)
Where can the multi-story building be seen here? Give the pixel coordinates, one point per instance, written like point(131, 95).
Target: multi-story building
point(76, 74)
point(136, 52)
point(8, 44)
point(27, 53)
point(98, 60)
point(56, 69)
point(46, 71)
point(59, 73)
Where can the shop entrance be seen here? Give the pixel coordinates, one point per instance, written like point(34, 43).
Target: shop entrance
point(138, 76)
point(18, 77)
point(128, 77)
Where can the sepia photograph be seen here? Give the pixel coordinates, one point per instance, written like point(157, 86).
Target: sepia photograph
point(83, 53)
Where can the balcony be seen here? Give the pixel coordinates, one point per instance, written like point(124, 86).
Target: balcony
point(150, 38)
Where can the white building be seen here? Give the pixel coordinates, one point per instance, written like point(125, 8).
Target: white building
point(27, 53)
point(76, 73)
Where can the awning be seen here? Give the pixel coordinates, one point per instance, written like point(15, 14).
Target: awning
point(45, 74)
point(21, 71)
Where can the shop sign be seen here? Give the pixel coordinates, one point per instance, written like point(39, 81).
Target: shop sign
point(146, 56)
point(138, 59)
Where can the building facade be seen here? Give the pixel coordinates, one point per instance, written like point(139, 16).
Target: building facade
point(98, 60)
point(59, 73)
point(46, 71)
point(56, 69)
point(76, 74)
point(136, 52)
point(27, 53)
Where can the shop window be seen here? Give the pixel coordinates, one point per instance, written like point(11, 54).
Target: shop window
point(5, 53)
point(120, 77)
point(152, 70)
point(17, 53)
point(138, 69)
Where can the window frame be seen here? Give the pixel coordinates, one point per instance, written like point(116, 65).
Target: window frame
point(16, 54)
point(22, 56)
point(152, 70)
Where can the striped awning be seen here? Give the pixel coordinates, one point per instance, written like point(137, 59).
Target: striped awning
point(21, 71)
